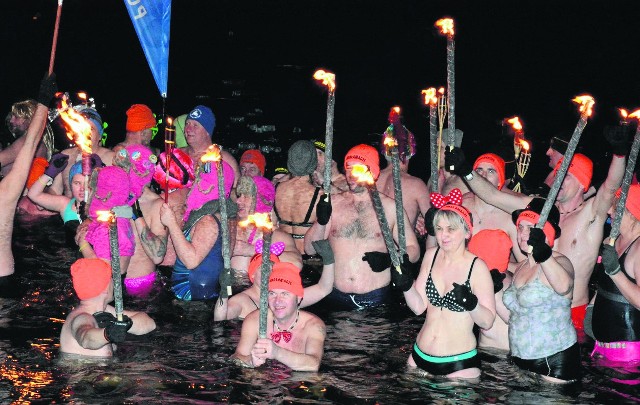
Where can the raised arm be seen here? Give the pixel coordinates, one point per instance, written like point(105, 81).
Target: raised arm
point(606, 193)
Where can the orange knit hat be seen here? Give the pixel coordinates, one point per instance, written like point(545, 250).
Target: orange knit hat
point(139, 118)
point(256, 157)
point(256, 262)
point(38, 167)
point(364, 155)
point(90, 277)
point(581, 167)
point(498, 165)
point(493, 246)
point(286, 276)
point(633, 200)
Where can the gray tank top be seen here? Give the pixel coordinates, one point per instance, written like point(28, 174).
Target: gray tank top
point(540, 322)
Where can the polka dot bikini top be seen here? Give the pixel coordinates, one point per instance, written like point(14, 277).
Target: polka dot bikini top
point(448, 300)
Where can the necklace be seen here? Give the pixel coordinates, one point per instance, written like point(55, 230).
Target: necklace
point(569, 212)
point(284, 334)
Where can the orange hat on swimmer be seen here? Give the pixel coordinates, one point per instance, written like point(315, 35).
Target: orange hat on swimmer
point(364, 155)
point(532, 213)
point(498, 164)
point(139, 118)
point(581, 168)
point(90, 277)
point(256, 263)
point(286, 276)
point(633, 200)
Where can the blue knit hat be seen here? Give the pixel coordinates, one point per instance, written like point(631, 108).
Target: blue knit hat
point(205, 117)
point(75, 169)
point(92, 115)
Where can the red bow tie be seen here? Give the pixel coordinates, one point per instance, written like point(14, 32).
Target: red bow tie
point(439, 200)
point(286, 335)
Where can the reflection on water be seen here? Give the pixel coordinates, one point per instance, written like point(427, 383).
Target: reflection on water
point(186, 359)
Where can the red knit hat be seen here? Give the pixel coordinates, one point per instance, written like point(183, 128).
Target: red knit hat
point(90, 277)
point(286, 276)
point(139, 118)
point(581, 168)
point(493, 246)
point(256, 157)
point(256, 262)
point(633, 200)
point(364, 155)
point(496, 161)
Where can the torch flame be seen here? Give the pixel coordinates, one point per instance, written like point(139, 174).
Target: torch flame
point(328, 79)
point(586, 103)
point(390, 142)
point(104, 216)
point(441, 91)
point(525, 145)
point(212, 155)
point(635, 114)
point(446, 26)
point(362, 174)
point(430, 97)
point(76, 125)
point(169, 121)
point(515, 124)
point(260, 220)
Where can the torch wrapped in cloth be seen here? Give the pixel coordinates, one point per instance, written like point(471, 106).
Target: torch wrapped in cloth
point(262, 222)
point(586, 104)
point(329, 80)
point(214, 156)
point(626, 180)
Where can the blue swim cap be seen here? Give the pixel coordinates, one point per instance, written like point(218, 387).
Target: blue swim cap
point(75, 169)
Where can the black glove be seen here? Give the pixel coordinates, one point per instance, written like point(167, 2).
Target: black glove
point(378, 261)
point(137, 212)
point(402, 281)
point(104, 318)
point(428, 221)
point(57, 164)
point(464, 297)
point(82, 211)
point(618, 138)
point(610, 259)
point(541, 251)
point(116, 331)
point(323, 210)
point(456, 159)
point(48, 89)
point(226, 280)
point(497, 278)
point(95, 161)
point(323, 248)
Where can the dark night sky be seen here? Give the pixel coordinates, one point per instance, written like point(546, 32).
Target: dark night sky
point(525, 58)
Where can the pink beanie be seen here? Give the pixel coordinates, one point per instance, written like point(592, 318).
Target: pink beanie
point(205, 187)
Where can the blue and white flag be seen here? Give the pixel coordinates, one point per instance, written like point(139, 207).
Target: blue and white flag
point(151, 19)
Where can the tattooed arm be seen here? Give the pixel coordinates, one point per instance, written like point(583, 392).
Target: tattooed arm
point(153, 235)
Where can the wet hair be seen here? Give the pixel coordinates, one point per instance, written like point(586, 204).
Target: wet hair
point(24, 109)
point(456, 221)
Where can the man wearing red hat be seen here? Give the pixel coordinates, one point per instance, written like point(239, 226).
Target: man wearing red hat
point(362, 276)
point(140, 120)
point(486, 216)
point(581, 220)
point(91, 328)
point(295, 337)
point(252, 163)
